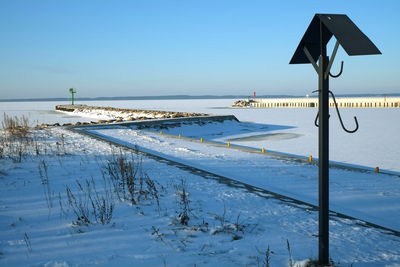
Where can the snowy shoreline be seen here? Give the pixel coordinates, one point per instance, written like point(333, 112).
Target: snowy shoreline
point(228, 226)
point(375, 144)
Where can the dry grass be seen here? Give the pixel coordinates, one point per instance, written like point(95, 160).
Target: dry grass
point(88, 205)
point(17, 127)
point(129, 180)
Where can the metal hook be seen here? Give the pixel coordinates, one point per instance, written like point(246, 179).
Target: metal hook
point(316, 119)
point(340, 72)
point(340, 117)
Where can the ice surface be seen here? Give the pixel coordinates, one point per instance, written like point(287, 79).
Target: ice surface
point(374, 144)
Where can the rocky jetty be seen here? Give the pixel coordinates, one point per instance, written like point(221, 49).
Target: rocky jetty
point(243, 103)
point(115, 115)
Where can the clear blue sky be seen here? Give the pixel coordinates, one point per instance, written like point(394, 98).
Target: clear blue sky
point(146, 47)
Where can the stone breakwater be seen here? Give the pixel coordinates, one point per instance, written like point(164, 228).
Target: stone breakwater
point(243, 103)
point(106, 115)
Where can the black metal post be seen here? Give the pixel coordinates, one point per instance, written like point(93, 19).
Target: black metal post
point(313, 46)
point(323, 152)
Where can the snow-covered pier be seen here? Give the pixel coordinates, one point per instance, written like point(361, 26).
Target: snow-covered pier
point(141, 118)
point(123, 113)
point(312, 102)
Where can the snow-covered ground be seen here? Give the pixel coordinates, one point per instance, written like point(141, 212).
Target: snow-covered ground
point(228, 226)
point(41, 183)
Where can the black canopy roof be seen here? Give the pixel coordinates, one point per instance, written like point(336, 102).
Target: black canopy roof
point(349, 36)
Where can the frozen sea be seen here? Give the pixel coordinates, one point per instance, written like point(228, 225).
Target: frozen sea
point(376, 143)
